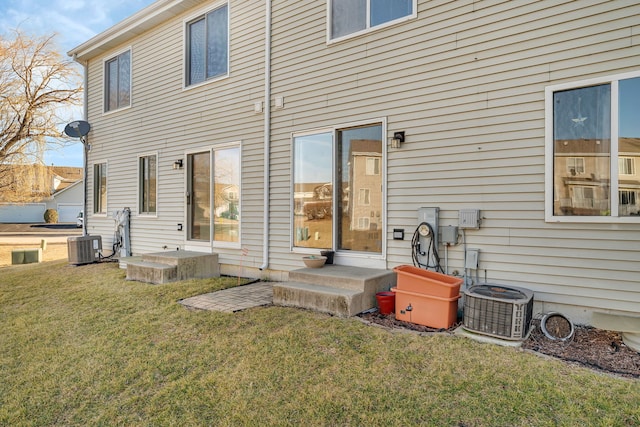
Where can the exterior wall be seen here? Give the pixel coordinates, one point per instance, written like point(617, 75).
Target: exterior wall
point(466, 82)
point(170, 121)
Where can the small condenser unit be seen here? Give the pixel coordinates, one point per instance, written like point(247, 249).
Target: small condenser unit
point(84, 249)
point(499, 311)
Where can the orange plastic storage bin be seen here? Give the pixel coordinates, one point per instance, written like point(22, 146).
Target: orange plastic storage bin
point(414, 279)
point(426, 310)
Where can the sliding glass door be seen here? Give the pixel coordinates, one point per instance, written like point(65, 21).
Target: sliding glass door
point(338, 189)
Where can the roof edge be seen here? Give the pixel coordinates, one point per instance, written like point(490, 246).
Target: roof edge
point(135, 24)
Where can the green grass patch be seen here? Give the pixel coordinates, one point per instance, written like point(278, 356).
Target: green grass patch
point(83, 346)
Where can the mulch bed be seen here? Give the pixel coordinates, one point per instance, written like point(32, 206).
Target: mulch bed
point(594, 348)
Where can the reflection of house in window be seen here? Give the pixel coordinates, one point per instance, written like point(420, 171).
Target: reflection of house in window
point(313, 200)
point(582, 176)
point(583, 197)
point(629, 179)
point(366, 179)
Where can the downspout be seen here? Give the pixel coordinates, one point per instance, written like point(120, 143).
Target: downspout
point(85, 143)
point(267, 134)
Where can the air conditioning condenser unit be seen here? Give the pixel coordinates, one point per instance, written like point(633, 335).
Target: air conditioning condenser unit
point(498, 311)
point(84, 249)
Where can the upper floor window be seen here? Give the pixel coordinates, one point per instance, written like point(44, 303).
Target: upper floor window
point(373, 166)
point(353, 16)
point(208, 46)
point(575, 165)
point(593, 140)
point(117, 83)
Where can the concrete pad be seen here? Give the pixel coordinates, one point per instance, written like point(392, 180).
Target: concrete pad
point(462, 332)
point(336, 289)
point(325, 299)
point(190, 264)
point(628, 325)
point(152, 272)
point(616, 322)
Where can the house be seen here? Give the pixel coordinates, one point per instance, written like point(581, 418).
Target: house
point(523, 111)
point(49, 187)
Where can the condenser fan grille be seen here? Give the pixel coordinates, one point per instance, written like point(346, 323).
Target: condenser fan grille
point(500, 292)
point(498, 311)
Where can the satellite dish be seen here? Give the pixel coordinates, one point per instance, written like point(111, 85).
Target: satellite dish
point(77, 129)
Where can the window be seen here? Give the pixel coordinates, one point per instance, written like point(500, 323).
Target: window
point(213, 202)
point(100, 188)
point(226, 200)
point(627, 197)
point(364, 197)
point(363, 223)
point(575, 165)
point(208, 46)
point(118, 82)
point(148, 184)
point(353, 16)
point(626, 166)
point(373, 166)
point(199, 196)
point(592, 144)
point(337, 188)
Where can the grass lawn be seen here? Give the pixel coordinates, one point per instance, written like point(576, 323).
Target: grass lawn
point(83, 346)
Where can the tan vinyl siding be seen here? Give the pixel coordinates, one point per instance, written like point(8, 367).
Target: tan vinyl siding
point(465, 81)
point(168, 119)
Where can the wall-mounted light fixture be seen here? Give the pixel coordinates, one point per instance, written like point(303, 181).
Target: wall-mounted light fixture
point(177, 164)
point(397, 139)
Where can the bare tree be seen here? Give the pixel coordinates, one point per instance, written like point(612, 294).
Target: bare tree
point(36, 83)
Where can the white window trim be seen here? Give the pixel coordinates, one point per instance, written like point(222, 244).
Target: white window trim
point(197, 244)
point(185, 37)
point(104, 80)
point(139, 194)
point(362, 257)
point(93, 190)
point(549, 159)
point(369, 28)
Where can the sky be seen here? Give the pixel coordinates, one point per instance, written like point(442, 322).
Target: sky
point(74, 22)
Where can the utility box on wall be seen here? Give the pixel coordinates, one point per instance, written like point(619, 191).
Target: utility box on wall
point(469, 218)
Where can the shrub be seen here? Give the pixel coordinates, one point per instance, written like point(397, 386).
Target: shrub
point(51, 216)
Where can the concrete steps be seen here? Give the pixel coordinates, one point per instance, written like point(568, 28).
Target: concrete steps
point(339, 290)
point(166, 267)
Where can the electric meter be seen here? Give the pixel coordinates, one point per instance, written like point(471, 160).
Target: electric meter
point(423, 230)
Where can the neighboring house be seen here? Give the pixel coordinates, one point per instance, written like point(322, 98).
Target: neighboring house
point(62, 191)
point(525, 110)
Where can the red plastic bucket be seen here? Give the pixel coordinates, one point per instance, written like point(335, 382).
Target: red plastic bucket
point(386, 302)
